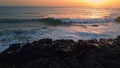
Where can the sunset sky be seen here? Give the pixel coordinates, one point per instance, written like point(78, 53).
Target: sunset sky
point(105, 3)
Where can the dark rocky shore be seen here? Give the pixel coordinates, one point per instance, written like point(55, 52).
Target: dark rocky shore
point(46, 53)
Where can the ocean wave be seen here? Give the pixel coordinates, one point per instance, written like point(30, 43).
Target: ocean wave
point(58, 20)
point(22, 35)
point(8, 20)
point(85, 21)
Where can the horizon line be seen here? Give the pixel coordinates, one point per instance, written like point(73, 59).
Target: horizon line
point(54, 6)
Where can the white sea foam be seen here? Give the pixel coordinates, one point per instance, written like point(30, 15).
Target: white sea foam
point(85, 21)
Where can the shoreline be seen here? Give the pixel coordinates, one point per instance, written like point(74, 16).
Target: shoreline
point(46, 53)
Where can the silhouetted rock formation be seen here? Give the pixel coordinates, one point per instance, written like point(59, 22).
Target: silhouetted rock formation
point(46, 53)
point(117, 19)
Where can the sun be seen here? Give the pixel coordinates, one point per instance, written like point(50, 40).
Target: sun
point(96, 1)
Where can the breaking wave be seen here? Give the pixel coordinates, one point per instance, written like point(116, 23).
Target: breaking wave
point(58, 20)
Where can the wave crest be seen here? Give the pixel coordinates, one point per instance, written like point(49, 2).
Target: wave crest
point(57, 20)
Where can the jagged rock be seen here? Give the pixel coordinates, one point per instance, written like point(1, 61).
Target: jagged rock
point(118, 41)
point(117, 19)
point(45, 53)
point(12, 48)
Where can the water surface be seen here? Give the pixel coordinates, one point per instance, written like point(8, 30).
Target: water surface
point(18, 24)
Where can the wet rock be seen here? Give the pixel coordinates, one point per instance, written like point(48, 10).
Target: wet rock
point(45, 53)
point(13, 48)
point(43, 41)
point(95, 25)
point(117, 41)
point(117, 19)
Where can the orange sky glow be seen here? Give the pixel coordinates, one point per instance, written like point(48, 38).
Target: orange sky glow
point(103, 3)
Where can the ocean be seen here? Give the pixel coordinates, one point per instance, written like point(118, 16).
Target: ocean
point(27, 24)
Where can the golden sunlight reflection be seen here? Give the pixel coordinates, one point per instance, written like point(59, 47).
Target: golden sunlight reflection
point(87, 29)
point(87, 14)
point(97, 13)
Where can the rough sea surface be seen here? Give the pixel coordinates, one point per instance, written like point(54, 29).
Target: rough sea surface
point(26, 24)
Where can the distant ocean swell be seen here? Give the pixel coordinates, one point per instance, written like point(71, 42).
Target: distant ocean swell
point(58, 20)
